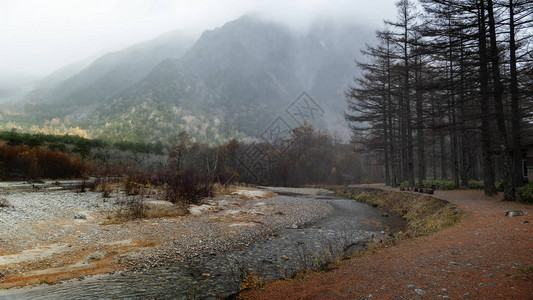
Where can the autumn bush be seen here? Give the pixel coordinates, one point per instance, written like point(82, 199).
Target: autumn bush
point(186, 187)
point(23, 161)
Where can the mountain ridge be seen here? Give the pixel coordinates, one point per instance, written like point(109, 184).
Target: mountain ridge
point(232, 82)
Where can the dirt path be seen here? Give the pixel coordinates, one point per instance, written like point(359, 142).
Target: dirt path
point(483, 256)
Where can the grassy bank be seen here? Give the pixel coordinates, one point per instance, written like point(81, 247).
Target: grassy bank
point(423, 214)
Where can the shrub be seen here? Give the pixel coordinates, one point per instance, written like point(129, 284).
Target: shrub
point(132, 208)
point(524, 194)
point(187, 187)
point(106, 190)
point(82, 186)
point(404, 184)
point(476, 184)
point(440, 184)
point(500, 186)
point(131, 188)
point(4, 203)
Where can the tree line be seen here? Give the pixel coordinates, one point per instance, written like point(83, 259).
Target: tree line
point(446, 92)
point(312, 157)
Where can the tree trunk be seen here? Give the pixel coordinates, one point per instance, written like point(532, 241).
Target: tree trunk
point(509, 179)
point(451, 120)
point(515, 110)
point(488, 169)
point(410, 163)
point(464, 165)
point(443, 163)
point(385, 145)
point(420, 126)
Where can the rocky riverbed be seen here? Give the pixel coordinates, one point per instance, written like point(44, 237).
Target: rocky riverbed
point(45, 239)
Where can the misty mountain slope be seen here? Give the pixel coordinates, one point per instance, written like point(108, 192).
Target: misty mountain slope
point(235, 78)
point(233, 82)
point(168, 99)
point(111, 73)
point(60, 75)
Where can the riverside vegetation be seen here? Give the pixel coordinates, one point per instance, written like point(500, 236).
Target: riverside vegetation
point(423, 214)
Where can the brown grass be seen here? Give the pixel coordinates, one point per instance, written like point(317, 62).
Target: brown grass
point(423, 214)
point(139, 210)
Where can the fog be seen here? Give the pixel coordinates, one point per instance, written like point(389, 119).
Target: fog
point(38, 37)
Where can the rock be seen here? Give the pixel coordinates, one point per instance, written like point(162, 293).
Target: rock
point(97, 256)
point(284, 257)
point(206, 275)
point(80, 217)
point(420, 292)
point(294, 226)
point(411, 286)
point(514, 213)
point(454, 263)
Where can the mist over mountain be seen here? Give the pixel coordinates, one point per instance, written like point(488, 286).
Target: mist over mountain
point(232, 82)
point(109, 74)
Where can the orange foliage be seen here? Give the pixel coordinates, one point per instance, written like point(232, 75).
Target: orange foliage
point(21, 162)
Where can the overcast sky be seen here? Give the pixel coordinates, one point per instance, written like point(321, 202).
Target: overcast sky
point(39, 36)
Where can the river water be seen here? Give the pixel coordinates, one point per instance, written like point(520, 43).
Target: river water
point(346, 229)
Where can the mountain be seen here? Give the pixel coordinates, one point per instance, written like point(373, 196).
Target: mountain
point(234, 81)
point(107, 75)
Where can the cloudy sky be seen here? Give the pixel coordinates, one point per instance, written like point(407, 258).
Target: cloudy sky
point(39, 36)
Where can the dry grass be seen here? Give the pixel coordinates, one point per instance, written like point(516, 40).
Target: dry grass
point(135, 208)
point(220, 190)
point(424, 214)
point(166, 212)
point(229, 190)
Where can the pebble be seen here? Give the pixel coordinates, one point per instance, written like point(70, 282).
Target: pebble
point(31, 207)
point(420, 292)
point(411, 286)
point(514, 213)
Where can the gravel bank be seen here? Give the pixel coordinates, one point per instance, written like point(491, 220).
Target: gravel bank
point(50, 235)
